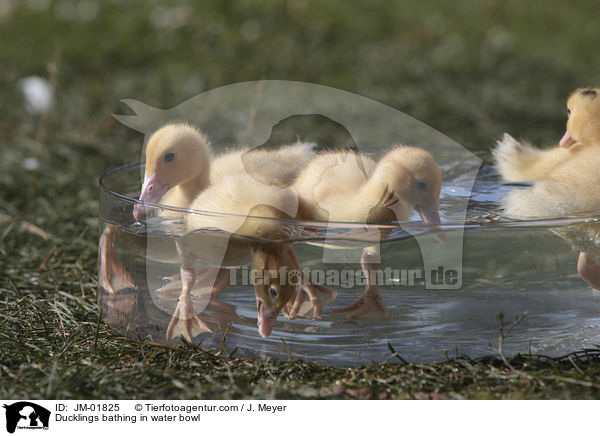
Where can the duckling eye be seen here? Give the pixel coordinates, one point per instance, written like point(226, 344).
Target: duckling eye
point(422, 185)
point(169, 157)
point(568, 112)
point(273, 293)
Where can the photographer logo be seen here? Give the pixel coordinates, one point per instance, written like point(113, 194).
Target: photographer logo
point(24, 415)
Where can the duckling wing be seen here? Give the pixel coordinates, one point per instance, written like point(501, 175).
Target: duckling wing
point(273, 167)
point(570, 190)
point(329, 185)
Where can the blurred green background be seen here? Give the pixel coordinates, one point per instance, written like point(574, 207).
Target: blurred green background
point(471, 70)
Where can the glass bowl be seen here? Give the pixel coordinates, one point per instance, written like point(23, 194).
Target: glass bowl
point(443, 302)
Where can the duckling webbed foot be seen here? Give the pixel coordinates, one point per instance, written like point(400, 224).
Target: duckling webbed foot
point(589, 270)
point(202, 282)
point(185, 322)
point(310, 296)
point(369, 305)
point(318, 295)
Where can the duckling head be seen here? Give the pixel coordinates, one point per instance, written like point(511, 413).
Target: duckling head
point(276, 277)
point(175, 154)
point(583, 125)
point(415, 178)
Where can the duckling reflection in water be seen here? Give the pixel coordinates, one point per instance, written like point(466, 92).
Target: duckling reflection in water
point(350, 187)
point(113, 275)
point(566, 178)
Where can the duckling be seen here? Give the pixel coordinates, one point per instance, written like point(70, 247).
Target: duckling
point(179, 165)
point(348, 186)
point(520, 161)
point(568, 190)
point(567, 186)
point(237, 199)
point(563, 176)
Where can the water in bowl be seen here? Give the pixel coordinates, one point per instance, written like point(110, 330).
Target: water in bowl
point(518, 269)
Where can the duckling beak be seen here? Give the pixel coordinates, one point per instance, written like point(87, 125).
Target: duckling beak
point(431, 215)
point(266, 318)
point(152, 192)
point(567, 140)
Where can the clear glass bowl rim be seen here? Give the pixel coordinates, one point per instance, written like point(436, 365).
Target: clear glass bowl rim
point(469, 224)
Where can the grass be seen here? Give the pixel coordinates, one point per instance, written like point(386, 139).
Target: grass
point(53, 346)
point(471, 70)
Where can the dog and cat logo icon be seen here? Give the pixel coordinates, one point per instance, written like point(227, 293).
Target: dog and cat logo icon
point(26, 415)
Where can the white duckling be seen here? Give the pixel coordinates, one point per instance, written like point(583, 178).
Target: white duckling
point(567, 185)
point(520, 161)
point(237, 199)
point(349, 187)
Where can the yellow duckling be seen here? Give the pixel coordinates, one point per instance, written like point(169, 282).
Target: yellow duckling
point(520, 161)
point(350, 187)
point(571, 188)
point(238, 199)
point(583, 125)
point(179, 165)
point(567, 184)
